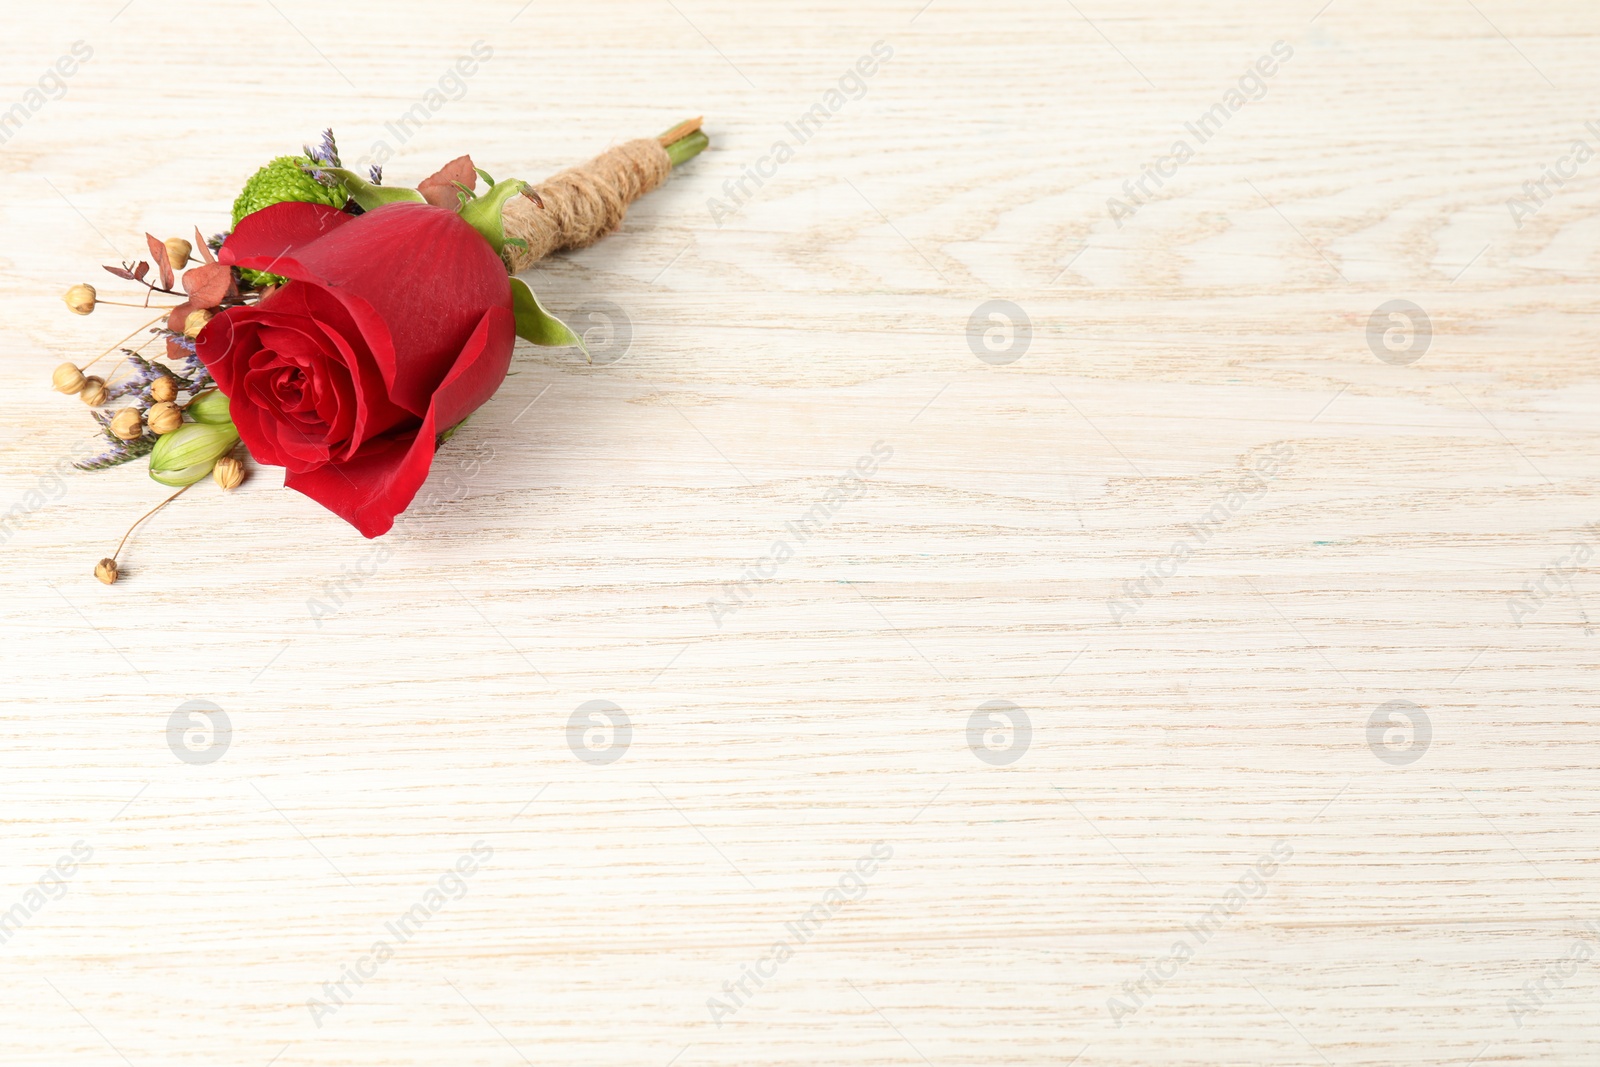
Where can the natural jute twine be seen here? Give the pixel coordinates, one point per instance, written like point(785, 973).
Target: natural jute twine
point(579, 206)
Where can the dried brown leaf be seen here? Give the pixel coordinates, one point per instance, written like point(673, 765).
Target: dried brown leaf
point(208, 285)
point(440, 189)
point(158, 252)
point(205, 249)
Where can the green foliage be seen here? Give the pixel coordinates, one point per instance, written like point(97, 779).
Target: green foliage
point(535, 324)
point(369, 196)
point(281, 180)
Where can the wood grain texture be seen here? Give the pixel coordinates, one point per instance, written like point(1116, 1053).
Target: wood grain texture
point(393, 703)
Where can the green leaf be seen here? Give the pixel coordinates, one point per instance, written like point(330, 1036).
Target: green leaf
point(484, 213)
point(538, 326)
point(366, 194)
point(488, 179)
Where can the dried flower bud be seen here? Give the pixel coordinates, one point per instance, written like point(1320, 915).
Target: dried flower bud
point(106, 570)
point(228, 472)
point(164, 417)
point(80, 298)
point(196, 322)
point(68, 379)
point(188, 453)
point(210, 406)
point(178, 252)
point(93, 392)
point(127, 424)
point(163, 388)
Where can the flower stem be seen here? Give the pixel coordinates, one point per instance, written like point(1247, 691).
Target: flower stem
point(684, 141)
point(143, 517)
point(687, 148)
point(119, 344)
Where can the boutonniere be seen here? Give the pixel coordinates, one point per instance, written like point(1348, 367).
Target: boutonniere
point(343, 328)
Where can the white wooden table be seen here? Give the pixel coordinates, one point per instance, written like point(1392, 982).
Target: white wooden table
point(1342, 509)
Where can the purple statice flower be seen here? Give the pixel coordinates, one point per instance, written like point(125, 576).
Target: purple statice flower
point(112, 456)
point(191, 373)
point(325, 152)
point(137, 383)
point(117, 452)
point(195, 375)
point(375, 171)
point(178, 339)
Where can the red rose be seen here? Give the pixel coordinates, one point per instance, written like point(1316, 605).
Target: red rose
point(394, 326)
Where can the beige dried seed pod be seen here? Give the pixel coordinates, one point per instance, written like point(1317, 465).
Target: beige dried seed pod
point(196, 322)
point(178, 252)
point(68, 378)
point(94, 391)
point(127, 424)
point(106, 570)
point(228, 472)
point(163, 389)
point(164, 417)
point(80, 298)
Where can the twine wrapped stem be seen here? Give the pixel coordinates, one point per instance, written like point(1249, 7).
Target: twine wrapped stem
point(579, 206)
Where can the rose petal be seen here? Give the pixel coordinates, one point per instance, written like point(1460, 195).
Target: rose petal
point(374, 413)
point(222, 347)
point(365, 322)
point(231, 347)
point(290, 439)
point(374, 486)
point(415, 310)
point(309, 307)
point(325, 395)
point(279, 229)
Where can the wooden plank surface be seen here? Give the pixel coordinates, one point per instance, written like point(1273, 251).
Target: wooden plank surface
point(1196, 523)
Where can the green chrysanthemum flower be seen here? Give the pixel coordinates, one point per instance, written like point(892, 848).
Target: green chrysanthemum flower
point(279, 181)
